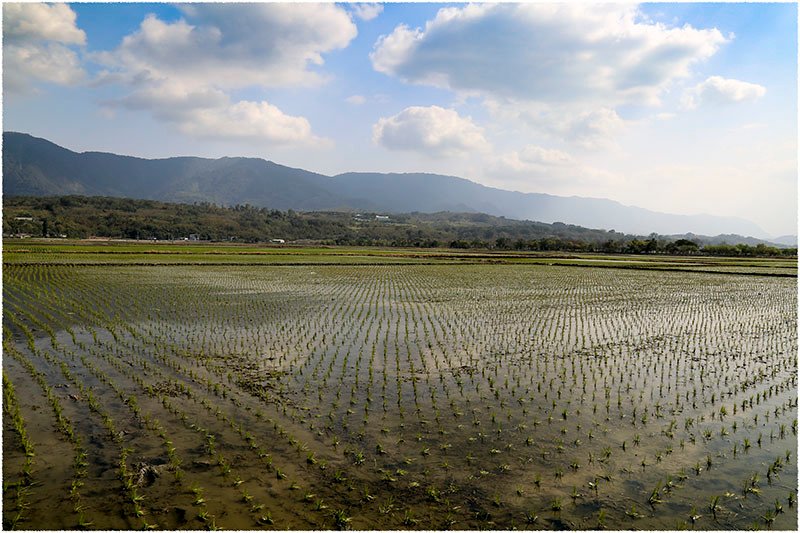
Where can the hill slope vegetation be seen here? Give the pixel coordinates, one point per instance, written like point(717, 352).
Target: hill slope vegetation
point(37, 167)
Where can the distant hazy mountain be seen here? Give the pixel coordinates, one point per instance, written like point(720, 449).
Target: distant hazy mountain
point(786, 240)
point(729, 238)
point(431, 192)
point(33, 166)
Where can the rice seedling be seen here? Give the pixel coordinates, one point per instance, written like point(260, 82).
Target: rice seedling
point(693, 516)
point(276, 370)
point(601, 518)
point(340, 519)
point(655, 496)
point(633, 513)
point(714, 506)
point(408, 519)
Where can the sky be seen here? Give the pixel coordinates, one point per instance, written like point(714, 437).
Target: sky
point(676, 107)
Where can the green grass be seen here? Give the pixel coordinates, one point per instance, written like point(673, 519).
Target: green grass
point(42, 251)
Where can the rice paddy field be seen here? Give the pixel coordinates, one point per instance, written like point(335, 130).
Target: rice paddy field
point(207, 387)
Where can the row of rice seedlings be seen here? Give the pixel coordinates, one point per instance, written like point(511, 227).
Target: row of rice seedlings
point(130, 492)
point(124, 476)
point(229, 476)
point(261, 515)
point(174, 460)
point(63, 423)
point(22, 486)
point(207, 437)
point(499, 393)
point(131, 479)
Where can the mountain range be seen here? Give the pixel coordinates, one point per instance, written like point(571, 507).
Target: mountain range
point(37, 167)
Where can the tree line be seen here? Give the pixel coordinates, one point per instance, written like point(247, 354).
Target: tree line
point(82, 217)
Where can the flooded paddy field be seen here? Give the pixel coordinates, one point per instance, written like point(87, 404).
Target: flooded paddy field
point(397, 396)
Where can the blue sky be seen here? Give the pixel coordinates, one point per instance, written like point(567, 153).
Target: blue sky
point(683, 108)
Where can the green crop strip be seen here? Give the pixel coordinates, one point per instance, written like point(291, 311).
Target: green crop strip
point(406, 396)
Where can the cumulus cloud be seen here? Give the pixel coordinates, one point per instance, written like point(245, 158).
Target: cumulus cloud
point(36, 47)
point(545, 52)
point(532, 160)
point(717, 90)
point(45, 22)
point(235, 45)
point(184, 71)
point(589, 130)
point(171, 100)
point(366, 11)
point(433, 130)
point(248, 120)
point(560, 68)
point(538, 168)
point(209, 113)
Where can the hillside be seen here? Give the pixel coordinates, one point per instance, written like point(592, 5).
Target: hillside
point(37, 167)
point(81, 217)
point(77, 216)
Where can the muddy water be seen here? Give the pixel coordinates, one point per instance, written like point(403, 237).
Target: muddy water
point(401, 398)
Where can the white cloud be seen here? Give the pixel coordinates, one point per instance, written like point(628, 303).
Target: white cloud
point(717, 90)
point(560, 68)
point(171, 100)
point(595, 129)
point(546, 52)
point(392, 51)
point(540, 169)
point(257, 121)
point(235, 45)
point(366, 11)
point(589, 130)
point(41, 22)
point(356, 99)
point(433, 130)
point(24, 65)
point(545, 156)
point(531, 160)
point(183, 71)
point(36, 46)
point(209, 113)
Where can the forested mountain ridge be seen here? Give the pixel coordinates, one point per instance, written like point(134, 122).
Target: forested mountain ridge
point(37, 167)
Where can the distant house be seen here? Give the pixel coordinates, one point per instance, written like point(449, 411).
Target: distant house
point(27, 219)
point(194, 237)
point(277, 241)
point(381, 217)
